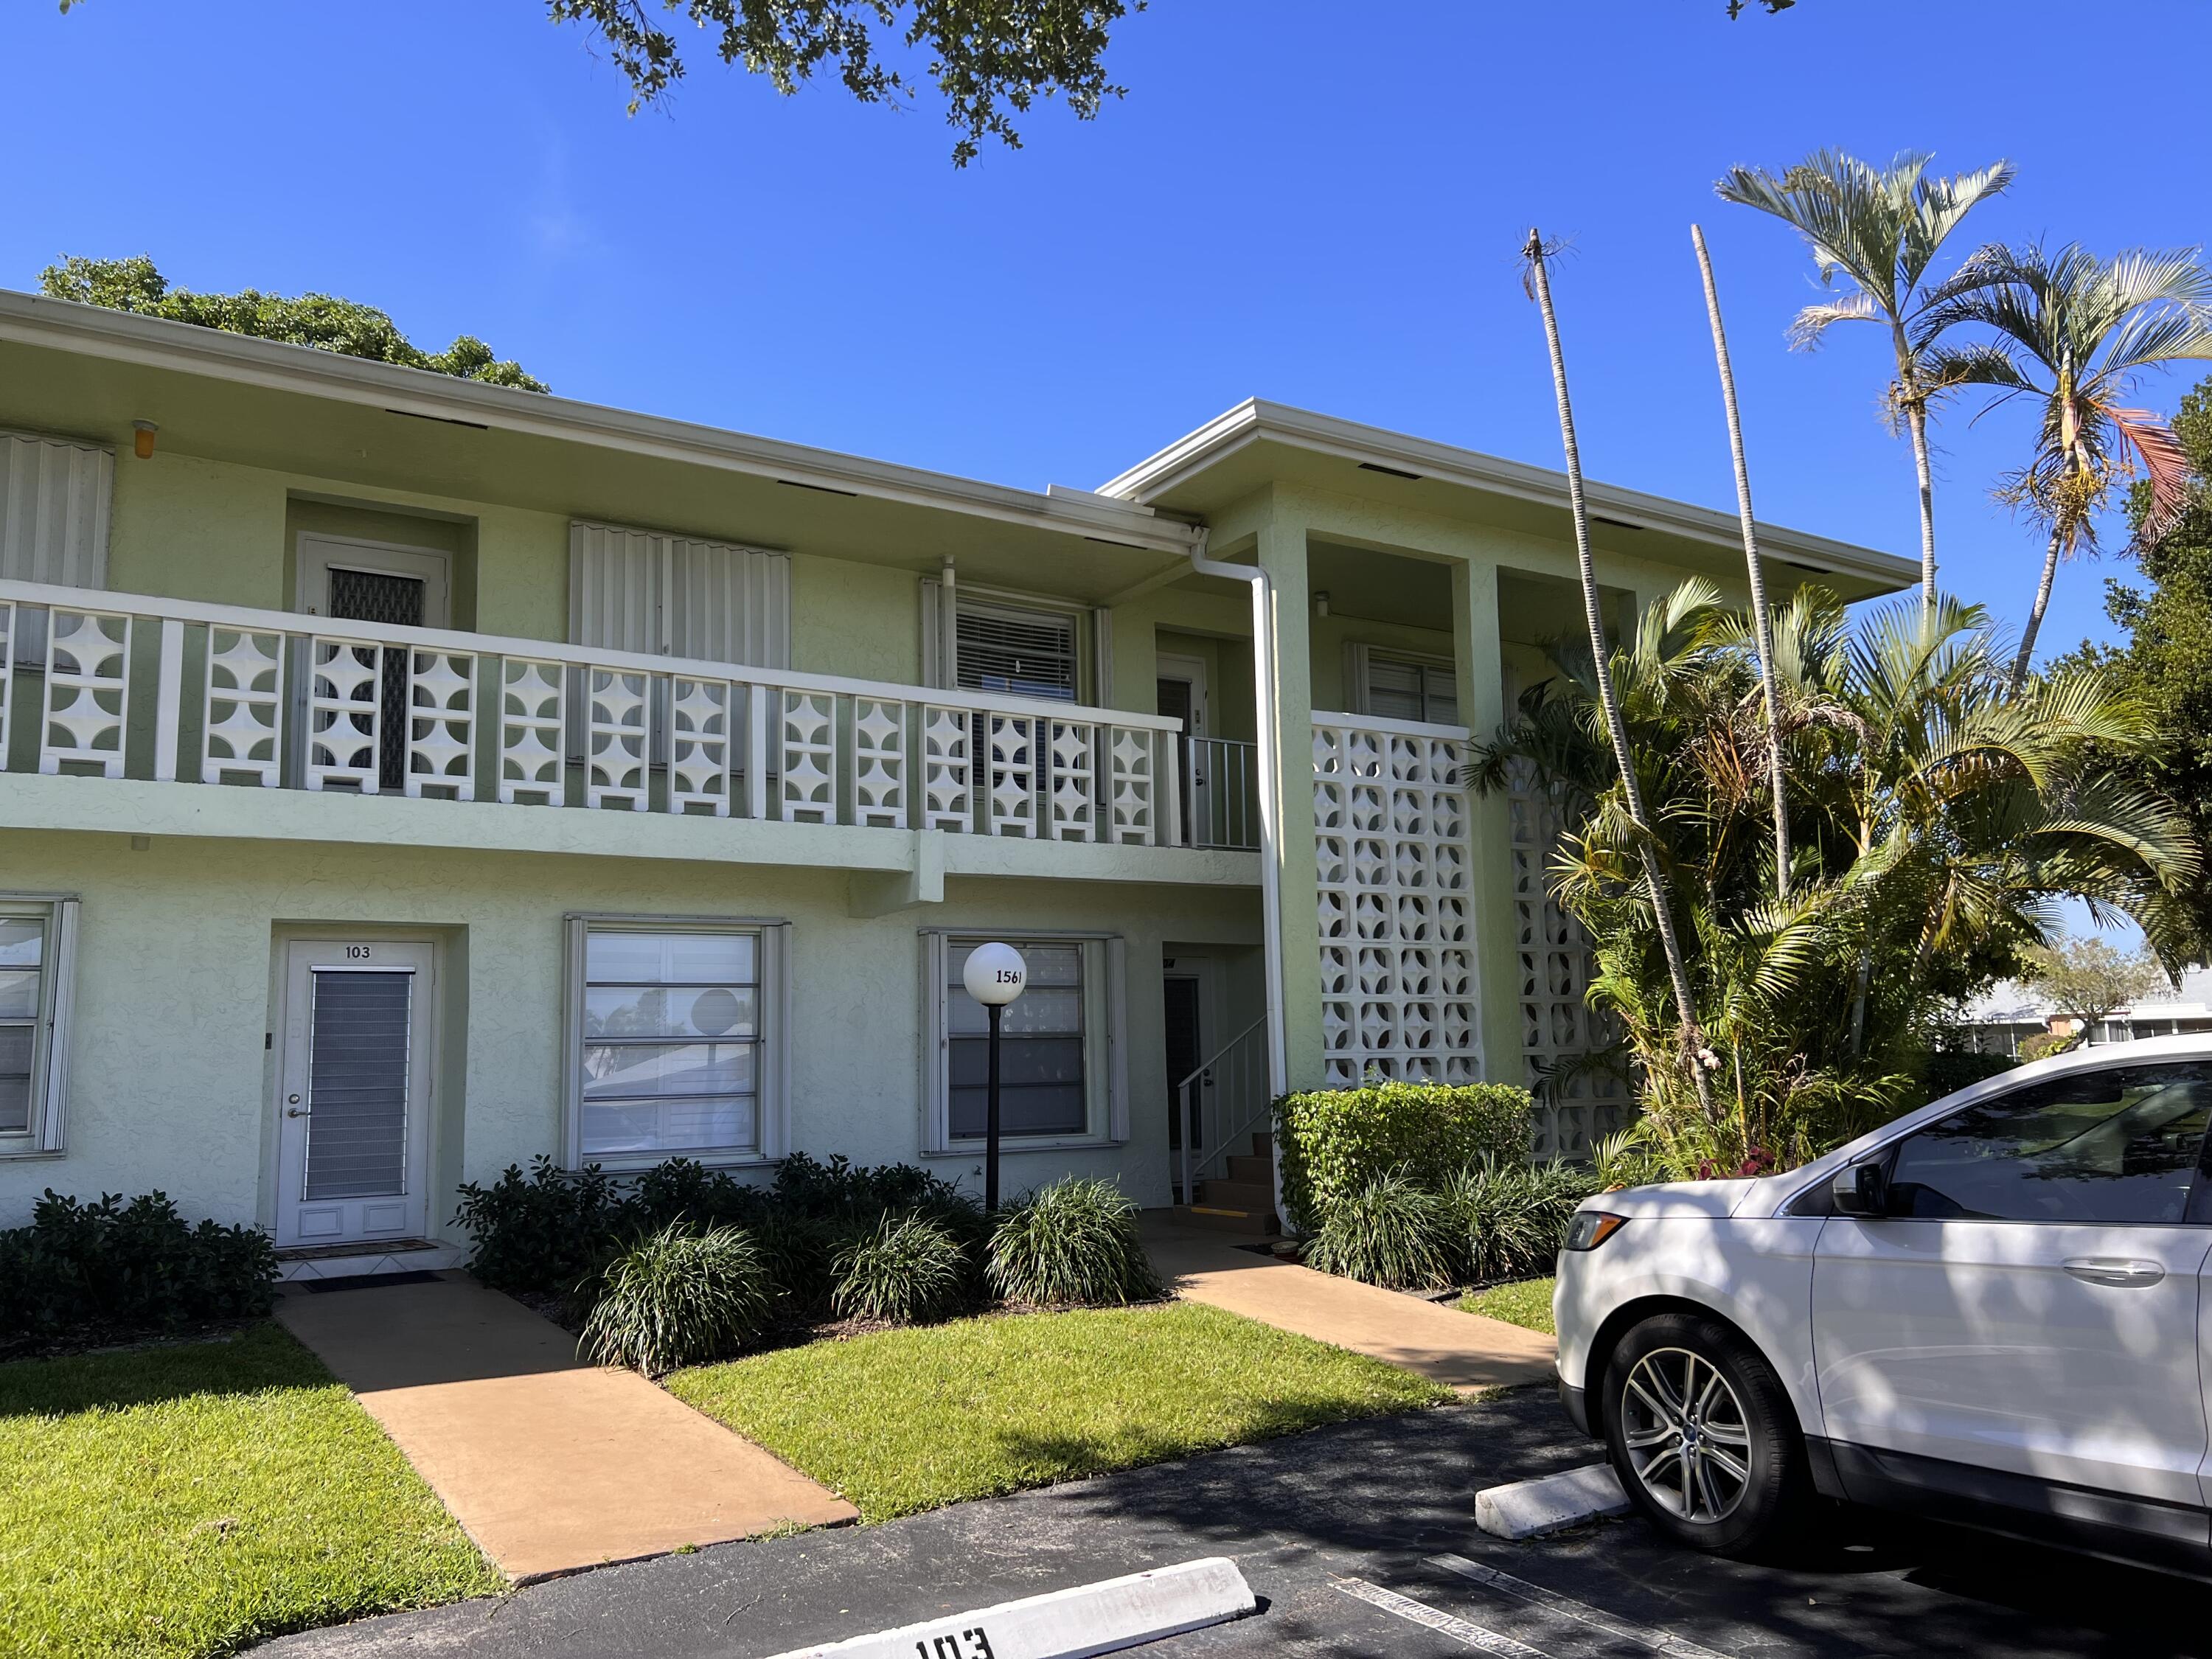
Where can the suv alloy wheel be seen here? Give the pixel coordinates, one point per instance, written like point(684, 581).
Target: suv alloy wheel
point(1701, 1434)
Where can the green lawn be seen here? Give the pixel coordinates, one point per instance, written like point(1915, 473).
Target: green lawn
point(906, 1420)
point(190, 1500)
point(1528, 1303)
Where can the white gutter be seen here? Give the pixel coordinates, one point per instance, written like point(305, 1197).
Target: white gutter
point(1398, 454)
point(1269, 746)
point(157, 343)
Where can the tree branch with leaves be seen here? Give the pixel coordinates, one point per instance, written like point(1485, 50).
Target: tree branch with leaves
point(990, 60)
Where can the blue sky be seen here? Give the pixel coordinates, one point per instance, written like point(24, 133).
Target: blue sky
point(1309, 202)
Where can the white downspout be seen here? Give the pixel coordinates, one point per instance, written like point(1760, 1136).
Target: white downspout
point(1269, 747)
point(948, 628)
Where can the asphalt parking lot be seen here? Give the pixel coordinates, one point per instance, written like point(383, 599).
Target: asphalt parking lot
point(1360, 1540)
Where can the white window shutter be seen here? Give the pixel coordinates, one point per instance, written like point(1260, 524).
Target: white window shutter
point(936, 1084)
point(1101, 657)
point(660, 595)
point(54, 499)
point(57, 1026)
point(1117, 1037)
point(934, 640)
point(774, 1095)
point(615, 589)
point(576, 932)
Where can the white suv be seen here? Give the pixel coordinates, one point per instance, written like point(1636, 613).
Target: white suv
point(1987, 1310)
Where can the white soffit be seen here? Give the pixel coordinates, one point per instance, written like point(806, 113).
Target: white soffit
point(1257, 421)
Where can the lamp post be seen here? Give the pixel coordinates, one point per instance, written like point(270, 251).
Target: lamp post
point(995, 974)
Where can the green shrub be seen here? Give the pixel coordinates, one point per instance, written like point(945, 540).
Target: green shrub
point(1336, 1142)
point(552, 1230)
point(1072, 1243)
point(678, 1297)
point(1393, 1232)
point(1512, 1219)
point(906, 1268)
point(806, 1186)
point(799, 1253)
point(547, 1231)
point(111, 1268)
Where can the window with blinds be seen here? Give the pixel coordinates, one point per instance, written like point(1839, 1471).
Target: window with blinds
point(1030, 653)
point(661, 595)
point(1410, 689)
point(677, 1034)
point(1040, 1086)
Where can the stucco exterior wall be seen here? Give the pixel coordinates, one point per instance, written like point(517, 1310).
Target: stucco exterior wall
point(172, 1086)
point(187, 527)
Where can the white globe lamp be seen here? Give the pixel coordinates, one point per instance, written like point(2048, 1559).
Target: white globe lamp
point(995, 974)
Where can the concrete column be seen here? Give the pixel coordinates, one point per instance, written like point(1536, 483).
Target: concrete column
point(1282, 554)
point(1489, 824)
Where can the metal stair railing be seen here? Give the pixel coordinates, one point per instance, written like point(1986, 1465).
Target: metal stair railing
point(1188, 1094)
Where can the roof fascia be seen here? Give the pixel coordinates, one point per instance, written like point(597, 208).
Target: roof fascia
point(160, 343)
point(1255, 420)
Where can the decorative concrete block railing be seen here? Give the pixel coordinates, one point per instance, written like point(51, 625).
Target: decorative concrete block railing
point(120, 685)
point(1393, 884)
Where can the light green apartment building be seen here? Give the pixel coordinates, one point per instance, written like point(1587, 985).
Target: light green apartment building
point(401, 777)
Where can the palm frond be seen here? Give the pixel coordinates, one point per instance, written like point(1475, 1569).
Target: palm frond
point(1807, 327)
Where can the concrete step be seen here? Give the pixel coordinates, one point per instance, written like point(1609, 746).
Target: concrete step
point(1258, 1171)
point(1263, 1144)
point(1255, 1224)
point(1237, 1194)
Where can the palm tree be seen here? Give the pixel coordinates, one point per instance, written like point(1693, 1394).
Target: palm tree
point(2074, 334)
point(1537, 283)
point(1941, 816)
point(1878, 228)
point(1762, 628)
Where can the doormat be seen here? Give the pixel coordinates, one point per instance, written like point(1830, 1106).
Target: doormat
point(365, 1281)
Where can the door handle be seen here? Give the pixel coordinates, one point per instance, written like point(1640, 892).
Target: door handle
point(295, 1111)
point(2105, 1270)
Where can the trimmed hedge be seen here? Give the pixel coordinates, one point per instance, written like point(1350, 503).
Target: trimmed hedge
point(110, 1269)
point(1333, 1143)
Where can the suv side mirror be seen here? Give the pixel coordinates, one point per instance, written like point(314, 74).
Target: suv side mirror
point(1862, 1189)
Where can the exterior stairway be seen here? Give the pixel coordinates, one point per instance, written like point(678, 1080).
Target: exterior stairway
point(1242, 1201)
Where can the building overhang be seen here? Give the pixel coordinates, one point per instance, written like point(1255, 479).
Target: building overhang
point(89, 372)
point(1258, 443)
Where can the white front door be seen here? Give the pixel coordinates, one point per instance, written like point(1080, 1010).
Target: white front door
point(353, 1097)
point(2030, 1304)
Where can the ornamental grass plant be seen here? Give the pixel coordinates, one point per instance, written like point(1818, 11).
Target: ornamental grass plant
point(1512, 1219)
point(907, 1269)
point(1393, 1231)
point(1073, 1243)
point(678, 1297)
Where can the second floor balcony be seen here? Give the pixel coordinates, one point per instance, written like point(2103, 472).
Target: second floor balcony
point(203, 697)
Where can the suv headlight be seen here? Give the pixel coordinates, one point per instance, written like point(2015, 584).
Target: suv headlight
point(1591, 1228)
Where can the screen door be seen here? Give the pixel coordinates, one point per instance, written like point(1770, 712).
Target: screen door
point(354, 1093)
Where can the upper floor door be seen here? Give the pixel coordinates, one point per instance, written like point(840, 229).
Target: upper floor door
point(388, 586)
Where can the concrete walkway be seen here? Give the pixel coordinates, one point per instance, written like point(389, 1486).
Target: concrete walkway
point(550, 1464)
point(1463, 1350)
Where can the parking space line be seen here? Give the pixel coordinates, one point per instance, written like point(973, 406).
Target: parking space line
point(1420, 1612)
point(1658, 1641)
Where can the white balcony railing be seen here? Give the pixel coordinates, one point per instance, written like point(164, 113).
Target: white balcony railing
point(119, 685)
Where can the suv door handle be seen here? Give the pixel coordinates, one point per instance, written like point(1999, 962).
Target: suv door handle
point(2105, 1270)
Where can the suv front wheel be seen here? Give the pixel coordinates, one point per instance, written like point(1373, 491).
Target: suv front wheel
point(1701, 1434)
